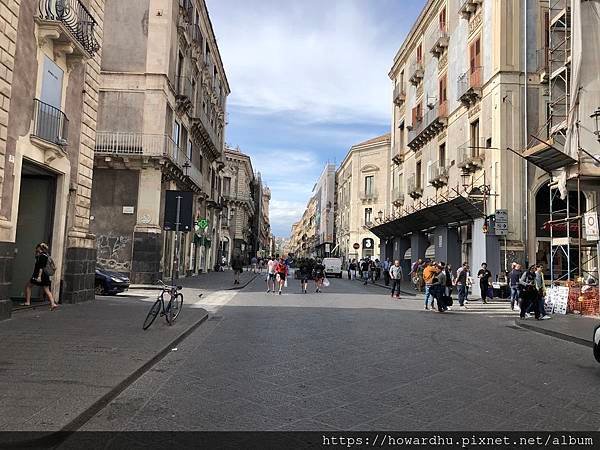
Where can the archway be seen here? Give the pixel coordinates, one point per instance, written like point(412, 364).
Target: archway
point(544, 231)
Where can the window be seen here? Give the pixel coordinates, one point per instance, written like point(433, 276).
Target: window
point(475, 138)
point(475, 63)
point(369, 184)
point(401, 136)
point(442, 155)
point(417, 114)
point(176, 133)
point(190, 150)
point(420, 54)
point(368, 215)
point(226, 185)
point(443, 90)
point(418, 175)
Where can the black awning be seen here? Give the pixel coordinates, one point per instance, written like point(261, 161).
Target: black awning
point(547, 157)
point(457, 210)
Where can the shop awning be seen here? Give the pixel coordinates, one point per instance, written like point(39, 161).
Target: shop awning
point(547, 157)
point(457, 210)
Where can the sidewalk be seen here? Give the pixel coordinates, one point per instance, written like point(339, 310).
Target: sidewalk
point(58, 368)
point(570, 327)
point(405, 288)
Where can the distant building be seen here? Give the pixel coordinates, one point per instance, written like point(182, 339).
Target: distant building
point(324, 198)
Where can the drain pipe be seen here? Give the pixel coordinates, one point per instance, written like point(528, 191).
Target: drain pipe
point(525, 126)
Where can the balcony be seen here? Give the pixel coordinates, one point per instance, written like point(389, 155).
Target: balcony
point(195, 35)
point(368, 195)
point(435, 120)
point(203, 131)
point(147, 146)
point(438, 173)
point(470, 156)
point(469, 86)
point(399, 95)
point(416, 73)
point(441, 40)
point(397, 197)
point(50, 126)
point(468, 8)
point(184, 93)
point(414, 187)
point(398, 157)
point(69, 25)
point(186, 10)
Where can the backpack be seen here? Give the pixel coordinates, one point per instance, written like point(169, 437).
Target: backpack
point(50, 267)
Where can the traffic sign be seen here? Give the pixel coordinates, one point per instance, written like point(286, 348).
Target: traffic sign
point(356, 246)
point(591, 226)
point(501, 222)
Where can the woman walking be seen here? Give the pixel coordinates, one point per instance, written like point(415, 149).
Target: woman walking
point(43, 270)
point(304, 275)
point(281, 269)
point(319, 275)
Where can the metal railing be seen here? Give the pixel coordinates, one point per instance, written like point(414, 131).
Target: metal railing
point(199, 115)
point(76, 19)
point(186, 8)
point(399, 94)
point(412, 185)
point(195, 34)
point(398, 196)
point(471, 153)
point(368, 194)
point(416, 71)
point(437, 170)
point(157, 145)
point(433, 112)
point(469, 80)
point(183, 88)
point(439, 38)
point(49, 123)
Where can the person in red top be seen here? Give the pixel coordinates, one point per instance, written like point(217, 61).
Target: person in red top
point(281, 269)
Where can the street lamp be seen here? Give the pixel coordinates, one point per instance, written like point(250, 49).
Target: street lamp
point(380, 215)
point(596, 116)
point(186, 166)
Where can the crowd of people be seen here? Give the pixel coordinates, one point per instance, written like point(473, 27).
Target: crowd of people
point(367, 269)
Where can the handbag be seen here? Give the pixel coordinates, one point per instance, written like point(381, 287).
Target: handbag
point(326, 282)
point(285, 283)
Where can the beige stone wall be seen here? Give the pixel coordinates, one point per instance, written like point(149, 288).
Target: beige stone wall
point(9, 21)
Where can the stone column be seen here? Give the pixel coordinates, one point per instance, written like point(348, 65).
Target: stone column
point(418, 245)
point(147, 239)
point(485, 248)
point(447, 246)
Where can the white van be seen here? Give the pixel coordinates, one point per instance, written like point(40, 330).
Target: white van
point(333, 267)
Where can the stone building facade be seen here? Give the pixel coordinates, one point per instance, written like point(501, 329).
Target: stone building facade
point(304, 234)
point(362, 194)
point(457, 128)
point(47, 133)
point(161, 125)
point(238, 206)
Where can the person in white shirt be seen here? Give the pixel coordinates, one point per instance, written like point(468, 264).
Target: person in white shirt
point(271, 274)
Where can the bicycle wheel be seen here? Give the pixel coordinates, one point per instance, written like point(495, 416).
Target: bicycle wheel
point(176, 305)
point(152, 314)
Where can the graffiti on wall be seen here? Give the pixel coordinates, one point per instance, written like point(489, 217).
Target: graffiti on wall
point(114, 252)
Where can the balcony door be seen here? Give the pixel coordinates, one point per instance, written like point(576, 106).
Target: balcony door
point(369, 180)
point(52, 82)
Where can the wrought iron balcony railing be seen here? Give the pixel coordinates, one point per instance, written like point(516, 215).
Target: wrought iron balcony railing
point(440, 40)
point(368, 194)
point(75, 18)
point(398, 196)
point(471, 156)
point(469, 85)
point(154, 145)
point(416, 72)
point(195, 34)
point(414, 187)
point(399, 94)
point(49, 123)
point(438, 173)
point(434, 121)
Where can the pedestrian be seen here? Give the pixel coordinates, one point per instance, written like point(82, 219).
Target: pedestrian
point(449, 285)
point(281, 270)
point(271, 263)
point(515, 289)
point(377, 269)
point(420, 282)
point(429, 274)
point(364, 271)
point(386, 271)
point(413, 275)
point(460, 280)
point(319, 275)
point(238, 266)
point(484, 276)
point(439, 287)
point(395, 273)
point(541, 291)
point(530, 294)
point(372, 271)
point(351, 268)
point(43, 269)
point(304, 275)
point(253, 263)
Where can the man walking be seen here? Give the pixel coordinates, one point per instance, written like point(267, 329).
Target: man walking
point(530, 294)
point(515, 290)
point(541, 291)
point(386, 271)
point(429, 273)
point(364, 270)
point(461, 284)
point(271, 274)
point(395, 273)
point(484, 276)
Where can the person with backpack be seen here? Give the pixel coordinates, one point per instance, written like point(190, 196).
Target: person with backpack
point(44, 268)
point(281, 269)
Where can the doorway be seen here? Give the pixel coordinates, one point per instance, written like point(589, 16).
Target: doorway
point(35, 223)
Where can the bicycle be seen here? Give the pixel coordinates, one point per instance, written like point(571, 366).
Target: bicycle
point(171, 311)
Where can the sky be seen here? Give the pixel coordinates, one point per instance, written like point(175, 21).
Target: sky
point(308, 79)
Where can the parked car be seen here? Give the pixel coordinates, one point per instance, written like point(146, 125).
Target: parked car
point(597, 343)
point(110, 283)
point(333, 267)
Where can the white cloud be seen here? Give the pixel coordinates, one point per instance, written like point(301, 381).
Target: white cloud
point(327, 61)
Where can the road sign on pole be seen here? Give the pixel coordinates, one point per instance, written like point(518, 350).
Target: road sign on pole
point(591, 226)
point(501, 222)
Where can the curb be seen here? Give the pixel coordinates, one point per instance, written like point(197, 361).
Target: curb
point(57, 437)
point(555, 334)
point(387, 288)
